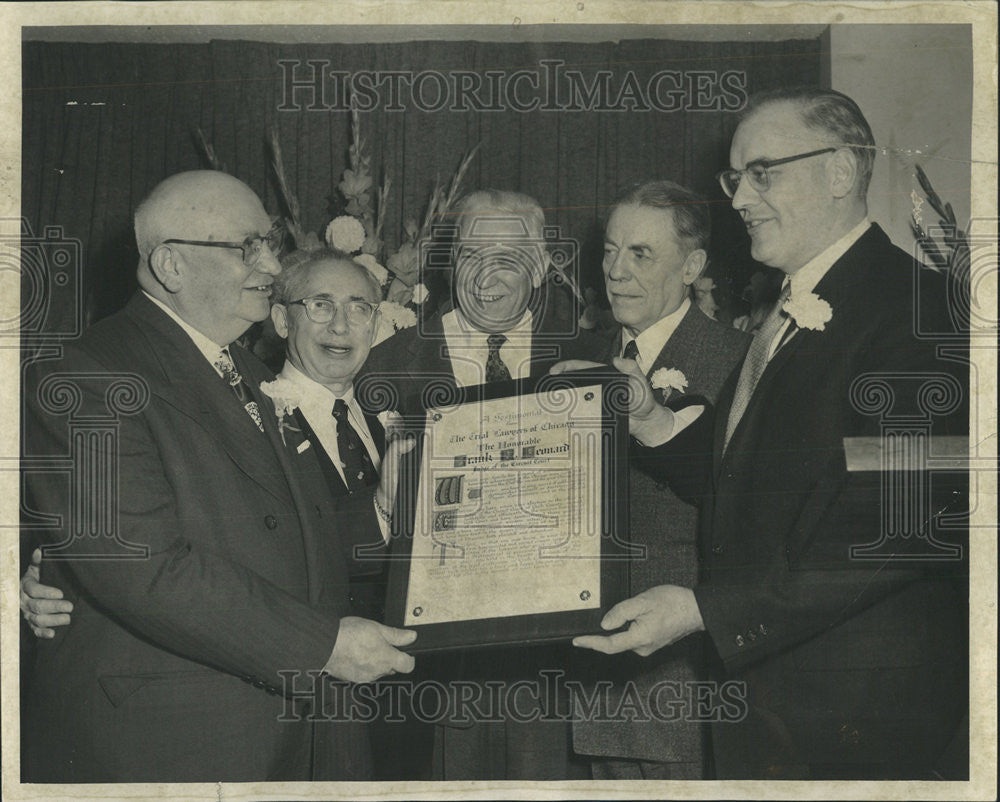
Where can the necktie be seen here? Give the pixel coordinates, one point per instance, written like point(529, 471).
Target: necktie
point(359, 472)
point(224, 364)
point(496, 370)
point(755, 362)
point(631, 351)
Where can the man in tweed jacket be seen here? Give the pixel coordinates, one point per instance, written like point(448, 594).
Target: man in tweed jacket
point(654, 249)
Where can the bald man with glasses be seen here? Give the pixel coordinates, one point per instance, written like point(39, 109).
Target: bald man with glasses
point(215, 597)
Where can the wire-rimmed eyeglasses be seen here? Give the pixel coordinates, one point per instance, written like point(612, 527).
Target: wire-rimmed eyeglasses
point(320, 309)
point(757, 172)
point(252, 247)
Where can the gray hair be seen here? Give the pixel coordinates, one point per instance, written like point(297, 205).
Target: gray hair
point(295, 268)
point(501, 203)
point(829, 112)
point(689, 211)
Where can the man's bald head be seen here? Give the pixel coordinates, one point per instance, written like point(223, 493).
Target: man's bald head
point(190, 205)
point(211, 288)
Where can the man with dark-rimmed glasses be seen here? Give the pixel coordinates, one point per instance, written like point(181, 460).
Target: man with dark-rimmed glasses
point(841, 628)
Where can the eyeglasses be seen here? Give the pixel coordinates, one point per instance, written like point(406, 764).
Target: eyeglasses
point(323, 310)
point(252, 247)
point(757, 172)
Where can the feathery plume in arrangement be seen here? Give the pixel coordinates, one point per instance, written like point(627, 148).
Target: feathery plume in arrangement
point(207, 151)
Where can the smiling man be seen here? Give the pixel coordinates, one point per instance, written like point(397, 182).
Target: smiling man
point(326, 308)
point(169, 671)
point(852, 657)
point(500, 327)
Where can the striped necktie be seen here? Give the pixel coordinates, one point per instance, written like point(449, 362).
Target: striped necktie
point(755, 362)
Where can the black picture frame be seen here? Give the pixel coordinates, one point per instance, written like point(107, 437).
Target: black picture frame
point(512, 630)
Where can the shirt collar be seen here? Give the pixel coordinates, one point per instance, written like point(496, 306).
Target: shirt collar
point(454, 322)
point(209, 348)
point(312, 388)
point(651, 341)
point(806, 278)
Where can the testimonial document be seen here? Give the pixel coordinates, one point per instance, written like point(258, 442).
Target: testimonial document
point(508, 513)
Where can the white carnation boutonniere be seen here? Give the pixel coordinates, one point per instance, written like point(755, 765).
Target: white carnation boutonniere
point(286, 396)
point(667, 379)
point(808, 310)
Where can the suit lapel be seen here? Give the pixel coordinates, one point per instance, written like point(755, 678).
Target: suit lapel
point(377, 432)
point(613, 348)
point(844, 277)
point(543, 355)
point(429, 357)
point(330, 473)
point(677, 350)
point(192, 386)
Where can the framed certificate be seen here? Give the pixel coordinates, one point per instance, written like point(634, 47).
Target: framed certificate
point(511, 518)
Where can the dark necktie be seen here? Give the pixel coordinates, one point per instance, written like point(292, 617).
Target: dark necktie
point(496, 370)
point(235, 381)
point(755, 362)
point(631, 351)
point(359, 472)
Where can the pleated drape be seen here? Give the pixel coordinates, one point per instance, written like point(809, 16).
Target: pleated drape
point(103, 124)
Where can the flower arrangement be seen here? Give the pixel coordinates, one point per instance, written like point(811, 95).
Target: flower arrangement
point(359, 230)
point(951, 254)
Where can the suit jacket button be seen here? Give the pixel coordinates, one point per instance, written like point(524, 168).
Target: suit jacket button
point(716, 550)
point(270, 522)
point(763, 630)
point(751, 635)
point(739, 640)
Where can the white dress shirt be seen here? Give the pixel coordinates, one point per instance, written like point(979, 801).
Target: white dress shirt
point(805, 279)
point(468, 349)
point(209, 349)
point(316, 404)
point(652, 340)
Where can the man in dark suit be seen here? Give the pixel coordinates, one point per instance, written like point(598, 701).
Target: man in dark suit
point(502, 325)
point(500, 328)
point(654, 249)
point(852, 657)
point(325, 306)
point(170, 671)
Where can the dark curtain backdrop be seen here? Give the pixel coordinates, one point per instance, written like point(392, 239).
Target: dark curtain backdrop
point(103, 124)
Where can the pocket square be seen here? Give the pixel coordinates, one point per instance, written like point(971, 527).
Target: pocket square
point(303, 446)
